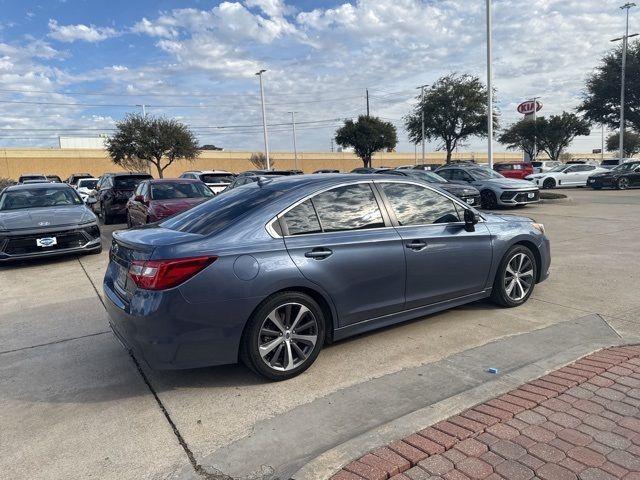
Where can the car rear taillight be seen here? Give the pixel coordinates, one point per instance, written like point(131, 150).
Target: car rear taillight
point(163, 274)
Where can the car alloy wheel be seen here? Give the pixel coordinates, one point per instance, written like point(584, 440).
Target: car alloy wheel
point(287, 336)
point(549, 183)
point(488, 199)
point(516, 277)
point(623, 183)
point(284, 336)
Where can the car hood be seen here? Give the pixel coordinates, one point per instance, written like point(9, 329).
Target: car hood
point(505, 183)
point(458, 189)
point(48, 217)
point(493, 217)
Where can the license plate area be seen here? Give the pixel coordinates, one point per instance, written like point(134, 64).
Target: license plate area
point(121, 277)
point(46, 242)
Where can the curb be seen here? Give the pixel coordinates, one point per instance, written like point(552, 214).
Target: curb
point(331, 461)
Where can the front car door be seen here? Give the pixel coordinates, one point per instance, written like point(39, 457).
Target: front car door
point(444, 261)
point(342, 240)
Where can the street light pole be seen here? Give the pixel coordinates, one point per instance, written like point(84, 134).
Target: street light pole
point(421, 87)
point(264, 120)
point(625, 41)
point(295, 148)
point(489, 89)
point(535, 128)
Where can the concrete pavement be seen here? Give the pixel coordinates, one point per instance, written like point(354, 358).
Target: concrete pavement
point(62, 379)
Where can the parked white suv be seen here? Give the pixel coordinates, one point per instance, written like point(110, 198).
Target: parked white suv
point(216, 180)
point(544, 165)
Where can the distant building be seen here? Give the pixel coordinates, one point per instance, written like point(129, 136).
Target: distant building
point(83, 141)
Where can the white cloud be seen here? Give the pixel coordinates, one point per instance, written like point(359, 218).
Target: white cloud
point(72, 33)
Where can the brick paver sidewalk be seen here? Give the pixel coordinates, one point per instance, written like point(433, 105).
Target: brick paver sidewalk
point(581, 421)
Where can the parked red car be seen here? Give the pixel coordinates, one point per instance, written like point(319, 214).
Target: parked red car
point(517, 170)
point(154, 200)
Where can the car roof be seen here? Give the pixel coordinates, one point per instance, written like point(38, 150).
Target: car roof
point(172, 180)
point(43, 185)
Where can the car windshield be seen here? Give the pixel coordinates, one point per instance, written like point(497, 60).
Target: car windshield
point(624, 167)
point(216, 214)
point(427, 176)
point(177, 190)
point(483, 173)
point(38, 198)
point(130, 182)
point(216, 178)
point(90, 184)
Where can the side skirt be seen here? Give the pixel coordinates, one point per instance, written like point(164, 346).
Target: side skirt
point(392, 319)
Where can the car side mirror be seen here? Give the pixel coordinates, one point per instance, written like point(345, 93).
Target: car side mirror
point(470, 220)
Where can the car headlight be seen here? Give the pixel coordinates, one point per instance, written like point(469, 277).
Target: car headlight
point(539, 227)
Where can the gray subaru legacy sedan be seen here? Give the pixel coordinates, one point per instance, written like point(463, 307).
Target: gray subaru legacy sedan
point(45, 219)
point(269, 272)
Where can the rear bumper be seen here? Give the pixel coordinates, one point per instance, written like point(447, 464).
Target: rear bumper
point(167, 332)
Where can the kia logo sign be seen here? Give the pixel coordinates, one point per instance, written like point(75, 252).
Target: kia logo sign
point(528, 107)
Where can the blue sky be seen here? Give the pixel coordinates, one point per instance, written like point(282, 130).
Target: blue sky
point(80, 65)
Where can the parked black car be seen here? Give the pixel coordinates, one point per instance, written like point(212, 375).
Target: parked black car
point(251, 176)
point(364, 170)
point(113, 192)
point(621, 177)
point(470, 195)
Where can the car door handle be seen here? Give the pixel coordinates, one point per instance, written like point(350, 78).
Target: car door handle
point(319, 253)
point(417, 245)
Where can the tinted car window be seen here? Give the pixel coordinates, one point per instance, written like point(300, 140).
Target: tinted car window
point(216, 214)
point(39, 198)
point(302, 219)
point(129, 182)
point(352, 207)
point(170, 191)
point(216, 178)
point(415, 205)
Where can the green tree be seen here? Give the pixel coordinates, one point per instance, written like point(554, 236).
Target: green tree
point(367, 136)
point(140, 141)
point(601, 99)
point(520, 136)
point(455, 108)
point(557, 132)
point(631, 143)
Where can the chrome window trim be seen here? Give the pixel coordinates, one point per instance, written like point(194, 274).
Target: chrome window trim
point(448, 195)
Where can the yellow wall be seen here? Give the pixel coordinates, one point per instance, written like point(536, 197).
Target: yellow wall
point(63, 162)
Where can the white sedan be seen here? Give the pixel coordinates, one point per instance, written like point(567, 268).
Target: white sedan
point(573, 175)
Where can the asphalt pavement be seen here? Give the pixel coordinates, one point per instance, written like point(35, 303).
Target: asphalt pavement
point(74, 404)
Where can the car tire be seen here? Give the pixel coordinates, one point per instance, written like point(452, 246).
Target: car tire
point(622, 183)
point(106, 218)
point(488, 199)
point(549, 183)
point(508, 289)
point(271, 348)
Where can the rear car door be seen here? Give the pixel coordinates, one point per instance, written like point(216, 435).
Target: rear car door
point(341, 240)
point(444, 261)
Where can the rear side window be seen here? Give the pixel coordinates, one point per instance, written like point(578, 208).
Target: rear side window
point(302, 219)
point(416, 205)
point(352, 207)
point(222, 210)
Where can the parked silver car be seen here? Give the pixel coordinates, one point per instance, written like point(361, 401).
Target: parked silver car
point(495, 189)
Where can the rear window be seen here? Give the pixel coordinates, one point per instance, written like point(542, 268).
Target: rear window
point(130, 182)
point(177, 190)
point(219, 212)
point(216, 178)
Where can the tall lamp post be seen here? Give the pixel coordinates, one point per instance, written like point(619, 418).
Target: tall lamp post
point(421, 88)
point(489, 89)
point(264, 120)
point(295, 148)
point(535, 128)
point(625, 40)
